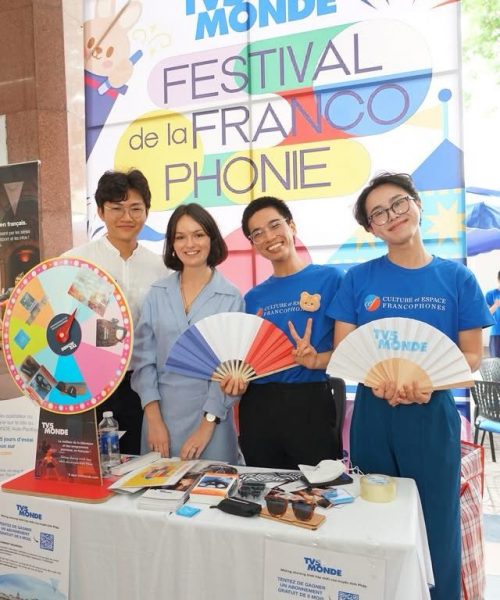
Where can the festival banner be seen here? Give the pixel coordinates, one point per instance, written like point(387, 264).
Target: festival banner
point(221, 101)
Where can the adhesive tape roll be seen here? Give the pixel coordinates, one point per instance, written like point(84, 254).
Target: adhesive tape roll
point(378, 488)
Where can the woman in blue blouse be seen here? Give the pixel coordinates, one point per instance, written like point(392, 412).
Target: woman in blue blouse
point(183, 416)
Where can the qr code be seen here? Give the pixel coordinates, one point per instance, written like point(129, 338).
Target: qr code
point(348, 596)
point(47, 541)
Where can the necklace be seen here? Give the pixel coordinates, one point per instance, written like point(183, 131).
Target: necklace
point(187, 304)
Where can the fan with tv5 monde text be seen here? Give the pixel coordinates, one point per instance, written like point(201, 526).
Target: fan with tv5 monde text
point(237, 344)
point(400, 350)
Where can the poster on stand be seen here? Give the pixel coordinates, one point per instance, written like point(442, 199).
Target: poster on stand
point(18, 431)
point(34, 548)
point(294, 571)
point(67, 448)
point(19, 223)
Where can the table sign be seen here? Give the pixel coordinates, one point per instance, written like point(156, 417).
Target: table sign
point(34, 548)
point(296, 571)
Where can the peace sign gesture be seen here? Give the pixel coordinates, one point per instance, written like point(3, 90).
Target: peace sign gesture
point(305, 354)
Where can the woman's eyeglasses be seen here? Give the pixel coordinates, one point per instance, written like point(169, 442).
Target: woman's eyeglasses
point(277, 507)
point(400, 206)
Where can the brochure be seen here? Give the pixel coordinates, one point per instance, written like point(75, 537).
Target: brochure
point(131, 462)
point(67, 448)
point(169, 497)
point(165, 471)
point(214, 487)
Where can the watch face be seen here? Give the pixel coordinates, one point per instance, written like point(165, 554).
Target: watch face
point(209, 417)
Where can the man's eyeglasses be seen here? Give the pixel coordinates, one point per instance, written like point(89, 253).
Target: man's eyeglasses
point(400, 206)
point(257, 236)
point(277, 507)
point(118, 211)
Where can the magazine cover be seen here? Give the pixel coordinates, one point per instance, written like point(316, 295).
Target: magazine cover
point(67, 448)
point(175, 491)
point(166, 471)
point(213, 487)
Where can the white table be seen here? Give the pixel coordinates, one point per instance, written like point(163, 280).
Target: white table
point(121, 552)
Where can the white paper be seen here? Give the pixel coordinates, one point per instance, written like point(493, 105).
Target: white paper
point(34, 547)
point(294, 571)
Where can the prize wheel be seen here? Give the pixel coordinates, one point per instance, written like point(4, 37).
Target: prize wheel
point(67, 335)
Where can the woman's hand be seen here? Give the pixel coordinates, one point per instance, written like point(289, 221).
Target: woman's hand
point(233, 386)
point(407, 394)
point(413, 394)
point(158, 438)
point(305, 354)
point(387, 390)
point(198, 440)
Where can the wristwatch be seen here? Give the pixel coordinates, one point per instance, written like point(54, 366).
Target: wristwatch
point(211, 418)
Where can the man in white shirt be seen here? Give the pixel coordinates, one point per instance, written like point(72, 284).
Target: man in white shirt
point(123, 201)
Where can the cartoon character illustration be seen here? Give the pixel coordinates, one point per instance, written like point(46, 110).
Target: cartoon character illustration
point(310, 302)
point(49, 466)
point(108, 62)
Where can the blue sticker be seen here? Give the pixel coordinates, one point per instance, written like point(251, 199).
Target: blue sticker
point(22, 339)
point(330, 494)
point(187, 511)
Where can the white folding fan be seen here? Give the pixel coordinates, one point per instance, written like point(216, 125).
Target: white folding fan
point(237, 344)
point(400, 350)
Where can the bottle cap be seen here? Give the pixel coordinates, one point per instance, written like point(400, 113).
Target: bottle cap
point(107, 413)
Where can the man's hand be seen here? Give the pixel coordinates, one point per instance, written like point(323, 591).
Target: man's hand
point(305, 354)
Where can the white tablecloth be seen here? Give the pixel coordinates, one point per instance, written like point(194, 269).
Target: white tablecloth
point(121, 552)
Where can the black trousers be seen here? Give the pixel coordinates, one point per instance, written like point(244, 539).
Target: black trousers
point(283, 425)
point(127, 410)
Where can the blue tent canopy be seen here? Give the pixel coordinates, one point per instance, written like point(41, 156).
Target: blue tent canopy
point(482, 240)
point(483, 216)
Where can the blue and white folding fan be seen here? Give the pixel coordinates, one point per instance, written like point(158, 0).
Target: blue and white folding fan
point(237, 344)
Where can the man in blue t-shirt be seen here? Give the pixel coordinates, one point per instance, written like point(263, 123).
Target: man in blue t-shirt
point(493, 302)
point(288, 418)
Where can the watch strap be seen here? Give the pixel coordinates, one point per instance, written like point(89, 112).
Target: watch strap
point(211, 418)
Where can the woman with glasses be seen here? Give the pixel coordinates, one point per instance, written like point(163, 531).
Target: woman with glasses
point(411, 432)
point(289, 418)
point(183, 416)
point(123, 202)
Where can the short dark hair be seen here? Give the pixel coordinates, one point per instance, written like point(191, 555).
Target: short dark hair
point(218, 248)
point(259, 204)
point(402, 180)
point(114, 186)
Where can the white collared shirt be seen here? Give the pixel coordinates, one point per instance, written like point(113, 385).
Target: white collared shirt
point(134, 275)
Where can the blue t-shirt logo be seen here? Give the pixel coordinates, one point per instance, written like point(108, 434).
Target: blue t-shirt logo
point(372, 302)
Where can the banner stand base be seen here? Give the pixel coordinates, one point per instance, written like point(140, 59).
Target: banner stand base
point(79, 492)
